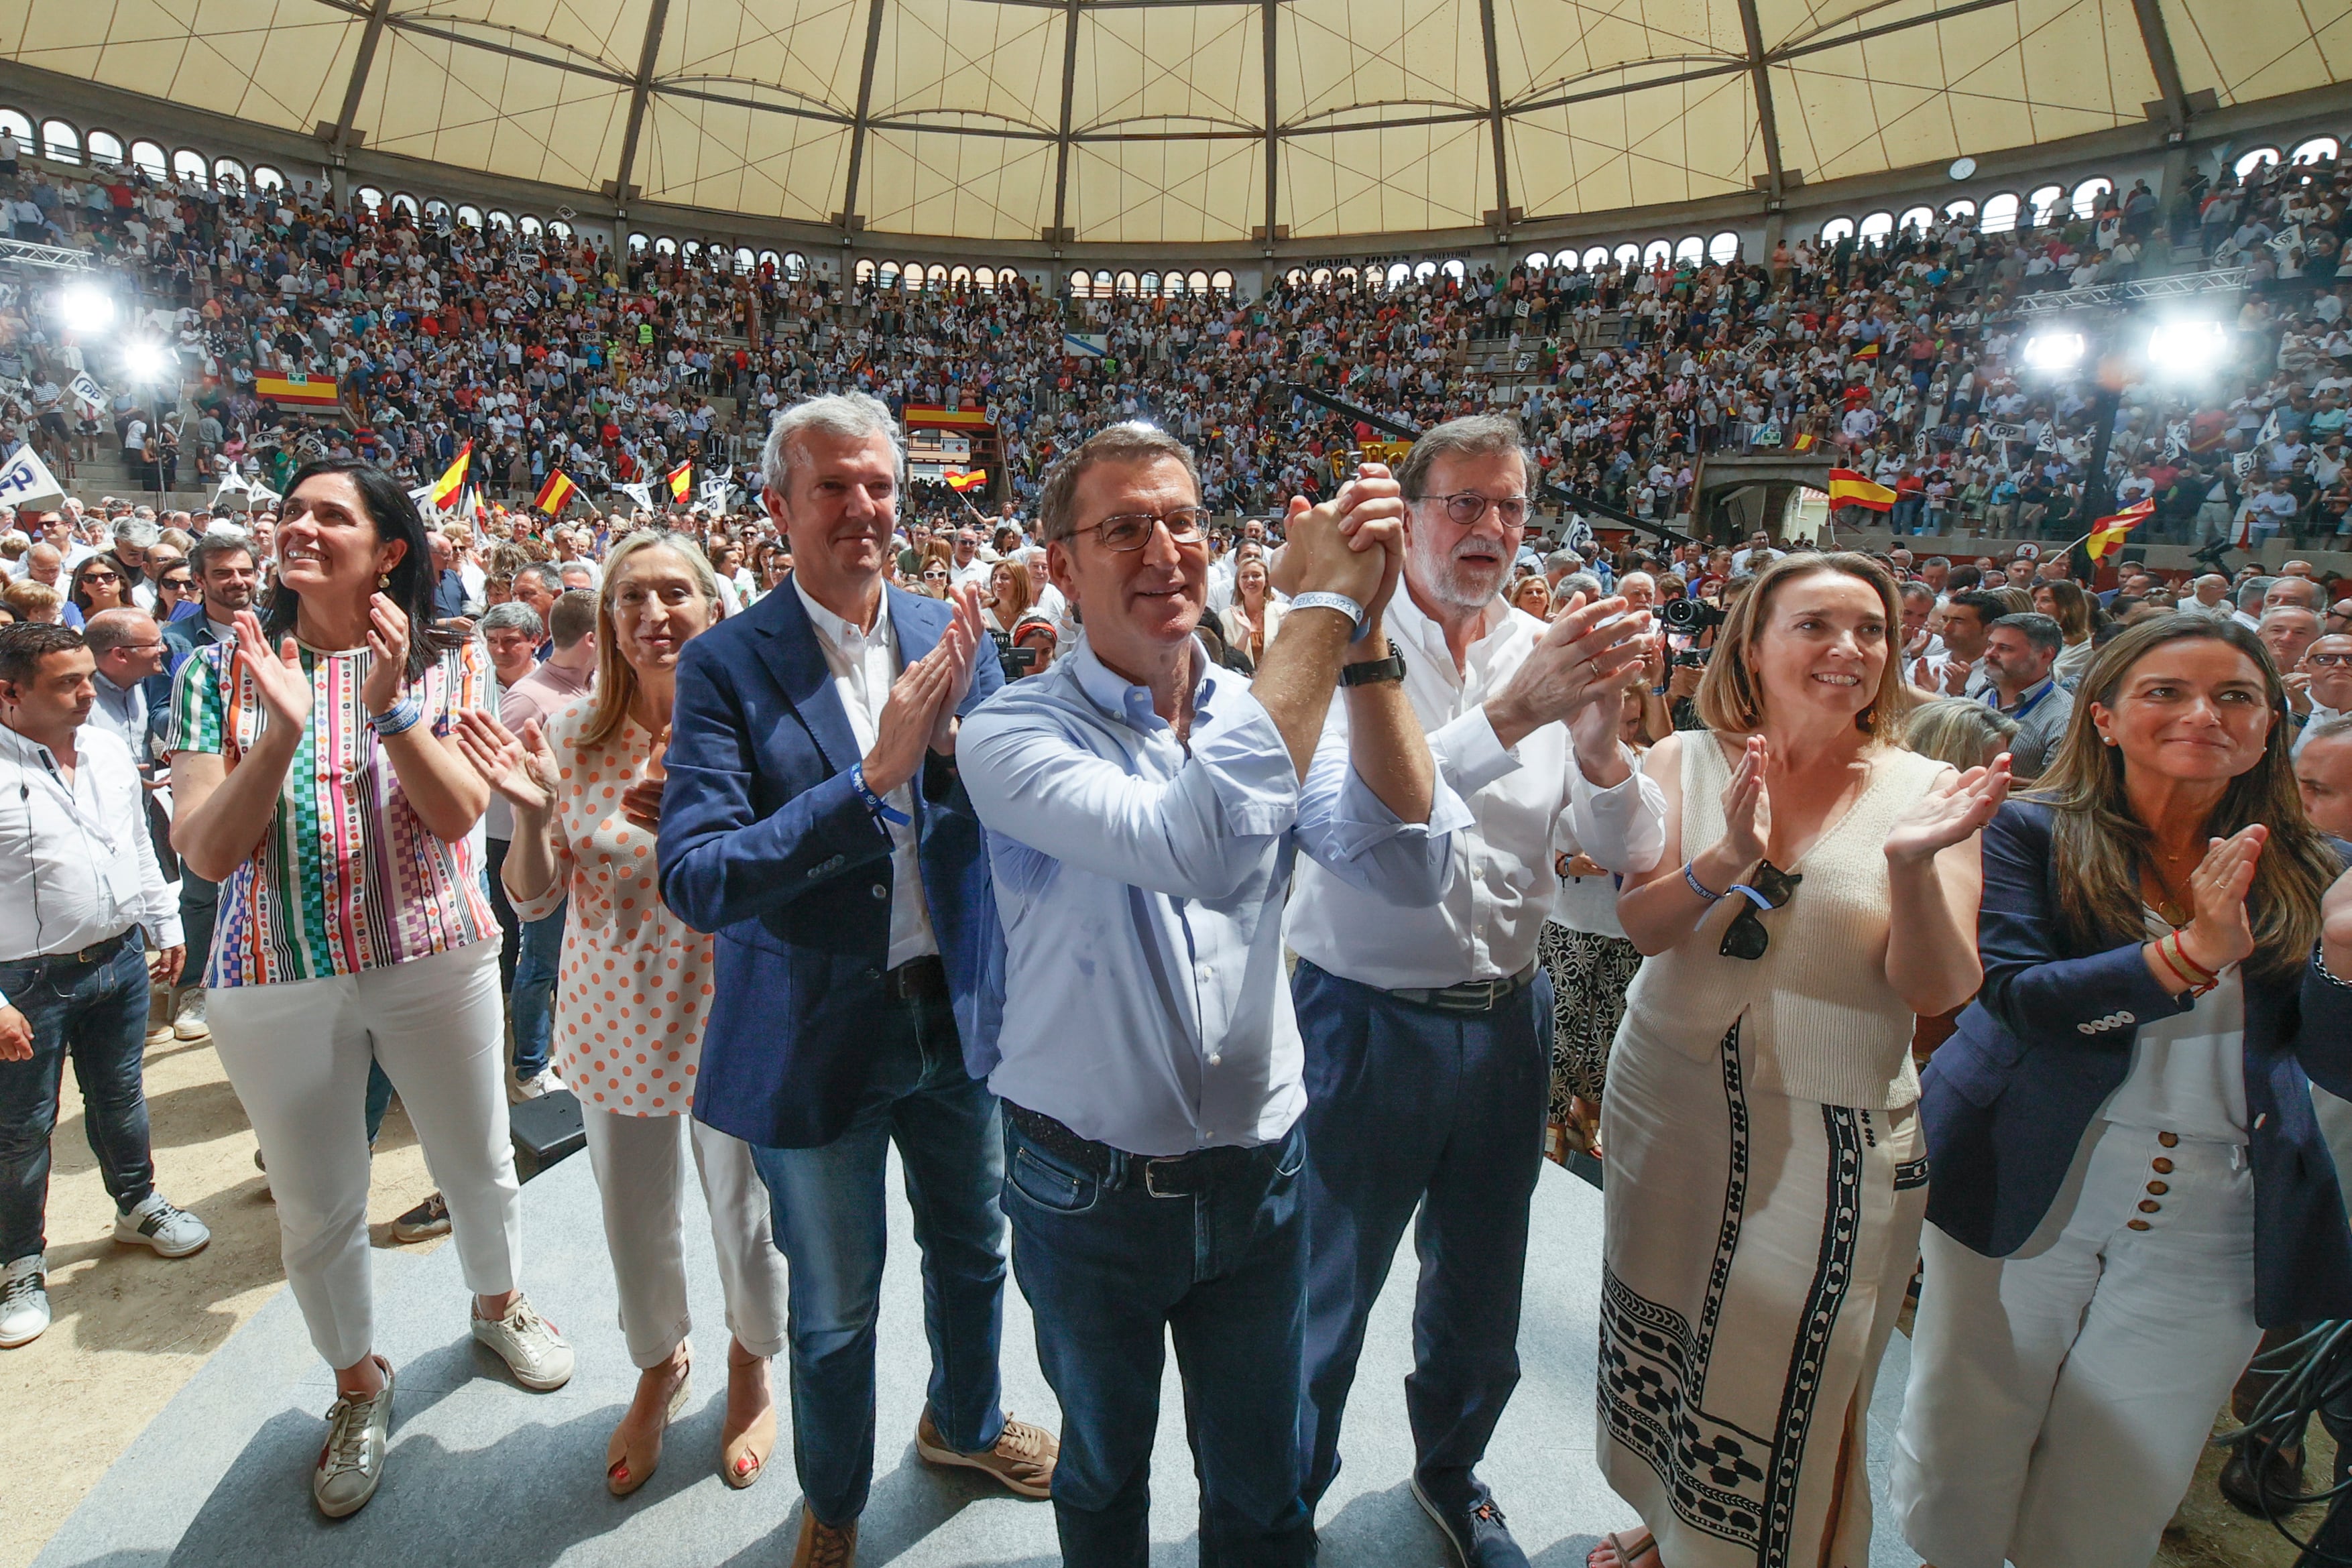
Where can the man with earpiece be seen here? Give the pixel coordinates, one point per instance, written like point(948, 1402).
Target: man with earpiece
point(79, 882)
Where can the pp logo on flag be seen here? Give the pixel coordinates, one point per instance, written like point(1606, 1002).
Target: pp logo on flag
point(26, 481)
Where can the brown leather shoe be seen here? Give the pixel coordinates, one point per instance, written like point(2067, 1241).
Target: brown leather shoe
point(822, 1546)
point(1021, 1460)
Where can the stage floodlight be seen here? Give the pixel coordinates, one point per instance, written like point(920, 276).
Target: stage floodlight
point(2054, 350)
point(84, 308)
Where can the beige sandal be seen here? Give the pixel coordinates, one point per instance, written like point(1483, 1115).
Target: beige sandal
point(743, 1457)
point(625, 1470)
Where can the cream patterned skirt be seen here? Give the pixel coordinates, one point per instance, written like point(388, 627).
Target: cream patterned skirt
point(1756, 1256)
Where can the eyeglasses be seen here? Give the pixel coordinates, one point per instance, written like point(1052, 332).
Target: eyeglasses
point(1466, 506)
point(2329, 660)
point(1769, 888)
point(1128, 531)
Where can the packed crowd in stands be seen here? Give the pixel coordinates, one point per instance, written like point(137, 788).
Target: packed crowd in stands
point(548, 352)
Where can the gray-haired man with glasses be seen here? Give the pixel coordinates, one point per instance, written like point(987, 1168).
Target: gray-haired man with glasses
point(1428, 1030)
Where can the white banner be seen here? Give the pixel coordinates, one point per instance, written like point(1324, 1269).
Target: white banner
point(1994, 431)
point(26, 482)
point(1086, 345)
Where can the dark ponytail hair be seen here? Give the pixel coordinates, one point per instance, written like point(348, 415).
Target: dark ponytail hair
point(395, 517)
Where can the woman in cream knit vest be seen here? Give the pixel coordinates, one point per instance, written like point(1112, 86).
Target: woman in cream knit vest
point(1767, 1175)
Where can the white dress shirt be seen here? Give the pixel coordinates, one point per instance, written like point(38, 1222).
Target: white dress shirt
point(1140, 883)
point(864, 665)
point(76, 863)
point(1504, 879)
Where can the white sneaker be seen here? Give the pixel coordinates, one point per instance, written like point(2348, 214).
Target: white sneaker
point(172, 1232)
point(350, 1463)
point(24, 1302)
point(544, 1082)
point(188, 1016)
point(532, 1348)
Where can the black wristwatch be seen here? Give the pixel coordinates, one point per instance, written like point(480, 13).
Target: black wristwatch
point(1371, 672)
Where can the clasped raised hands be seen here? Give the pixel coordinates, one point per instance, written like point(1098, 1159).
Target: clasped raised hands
point(1353, 543)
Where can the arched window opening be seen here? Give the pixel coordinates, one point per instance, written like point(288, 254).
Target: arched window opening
point(1836, 229)
point(148, 159)
point(1963, 208)
point(1918, 220)
point(438, 211)
point(935, 277)
point(1222, 281)
point(500, 220)
point(1876, 226)
point(228, 174)
point(1691, 248)
point(61, 142)
point(368, 198)
point(984, 279)
point(402, 202)
point(105, 149)
point(1081, 285)
point(1724, 248)
point(1456, 270)
point(1424, 272)
point(865, 270)
point(2319, 150)
point(1627, 255)
point(2088, 194)
point(1657, 252)
point(663, 246)
point(14, 123)
point(1125, 284)
point(2000, 213)
point(1594, 258)
point(2248, 161)
point(530, 225)
point(1198, 281)
point(886, 277)
point(560, 229)
point(690, 252)
point(2043, 203)
point(795, 263)
point(188, 167)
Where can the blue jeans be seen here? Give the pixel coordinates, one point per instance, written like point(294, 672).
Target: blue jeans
point(830, 1225)
point(96, 1014)
point(1412, 1110)
point(199, 907)
point(530, 1006)
point(1110, 1270)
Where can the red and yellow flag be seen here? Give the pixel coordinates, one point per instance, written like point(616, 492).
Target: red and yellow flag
point(1848, 488)
point(446, 487)
point(1867, 351)
point(1804, 442)
point(2110, 531)
point(680, 481)
point(554, 495)
point(294, 390)
point(957, 479)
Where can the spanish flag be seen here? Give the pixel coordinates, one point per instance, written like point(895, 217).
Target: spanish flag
point(294, 390)
point(680, 481)
point(1867, 351)
point(555, 494)
point(1848, 488)
point(959, 480)
point(1804, 442)
point(2109, 531)
point(446, 487)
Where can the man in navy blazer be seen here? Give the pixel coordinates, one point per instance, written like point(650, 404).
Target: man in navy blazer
point(814, 822)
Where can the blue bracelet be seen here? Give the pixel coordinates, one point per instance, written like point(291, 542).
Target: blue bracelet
point(400, 717)
point(874, 803)
point(1691, 876)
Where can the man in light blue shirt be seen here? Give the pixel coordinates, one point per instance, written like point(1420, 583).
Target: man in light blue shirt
point(1144, 810)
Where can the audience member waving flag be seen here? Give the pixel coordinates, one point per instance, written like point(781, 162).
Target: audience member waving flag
point(680, 481)
point(1848, 488)
point(554, 495)
point(447, 488)
point(2109, 531)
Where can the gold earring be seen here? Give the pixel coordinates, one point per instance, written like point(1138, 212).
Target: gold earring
point(383, 581)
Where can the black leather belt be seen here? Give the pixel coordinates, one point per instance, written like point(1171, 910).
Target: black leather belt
point(1172, 1175)
point(1470, 995)
point(923, 980)
point(98, 952)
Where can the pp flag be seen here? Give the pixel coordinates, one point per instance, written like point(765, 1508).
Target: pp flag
point(680, 480)
point(558, 490)
point(2109, 531)
point(88, 393)
point(26, 482)
point(639, 491)
point(717, 493)
point(445, 489)
point(1848, 488)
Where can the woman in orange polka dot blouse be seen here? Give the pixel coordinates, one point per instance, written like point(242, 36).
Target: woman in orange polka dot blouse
point(634, 989)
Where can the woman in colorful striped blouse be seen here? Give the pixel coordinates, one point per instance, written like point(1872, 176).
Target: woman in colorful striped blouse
point(315, 780)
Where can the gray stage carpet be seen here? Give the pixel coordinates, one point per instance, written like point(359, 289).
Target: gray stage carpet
point(487, 1476)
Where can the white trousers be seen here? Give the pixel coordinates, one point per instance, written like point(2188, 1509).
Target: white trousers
point(640, 1165)
point(298, 1053)
point(2059, 1398)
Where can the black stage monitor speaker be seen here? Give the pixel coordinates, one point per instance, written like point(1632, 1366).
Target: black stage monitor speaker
point(545, 1130)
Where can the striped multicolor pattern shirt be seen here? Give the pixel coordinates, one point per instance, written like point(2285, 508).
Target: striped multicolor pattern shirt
point(347, 878)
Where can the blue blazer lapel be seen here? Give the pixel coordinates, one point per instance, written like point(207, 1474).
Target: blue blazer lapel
point(789, 647)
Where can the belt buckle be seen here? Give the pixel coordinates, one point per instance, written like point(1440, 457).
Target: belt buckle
point(1150, 1178)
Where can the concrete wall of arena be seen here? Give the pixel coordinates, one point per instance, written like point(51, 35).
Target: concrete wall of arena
point(61, 115)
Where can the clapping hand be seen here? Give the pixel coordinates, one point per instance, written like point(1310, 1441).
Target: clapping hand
point(1746, 805)
point(522, 769)
point(965, 633)
point(387, 641)
point(1582, 657)
point(1957, 805)
point(2220, 933)
point(641, 802)
point(284, 688)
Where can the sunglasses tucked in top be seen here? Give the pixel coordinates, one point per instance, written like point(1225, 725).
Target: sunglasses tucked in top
point(1768, 888)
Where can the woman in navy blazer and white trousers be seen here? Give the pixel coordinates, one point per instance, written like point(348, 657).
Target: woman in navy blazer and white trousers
point(2127, 1182)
